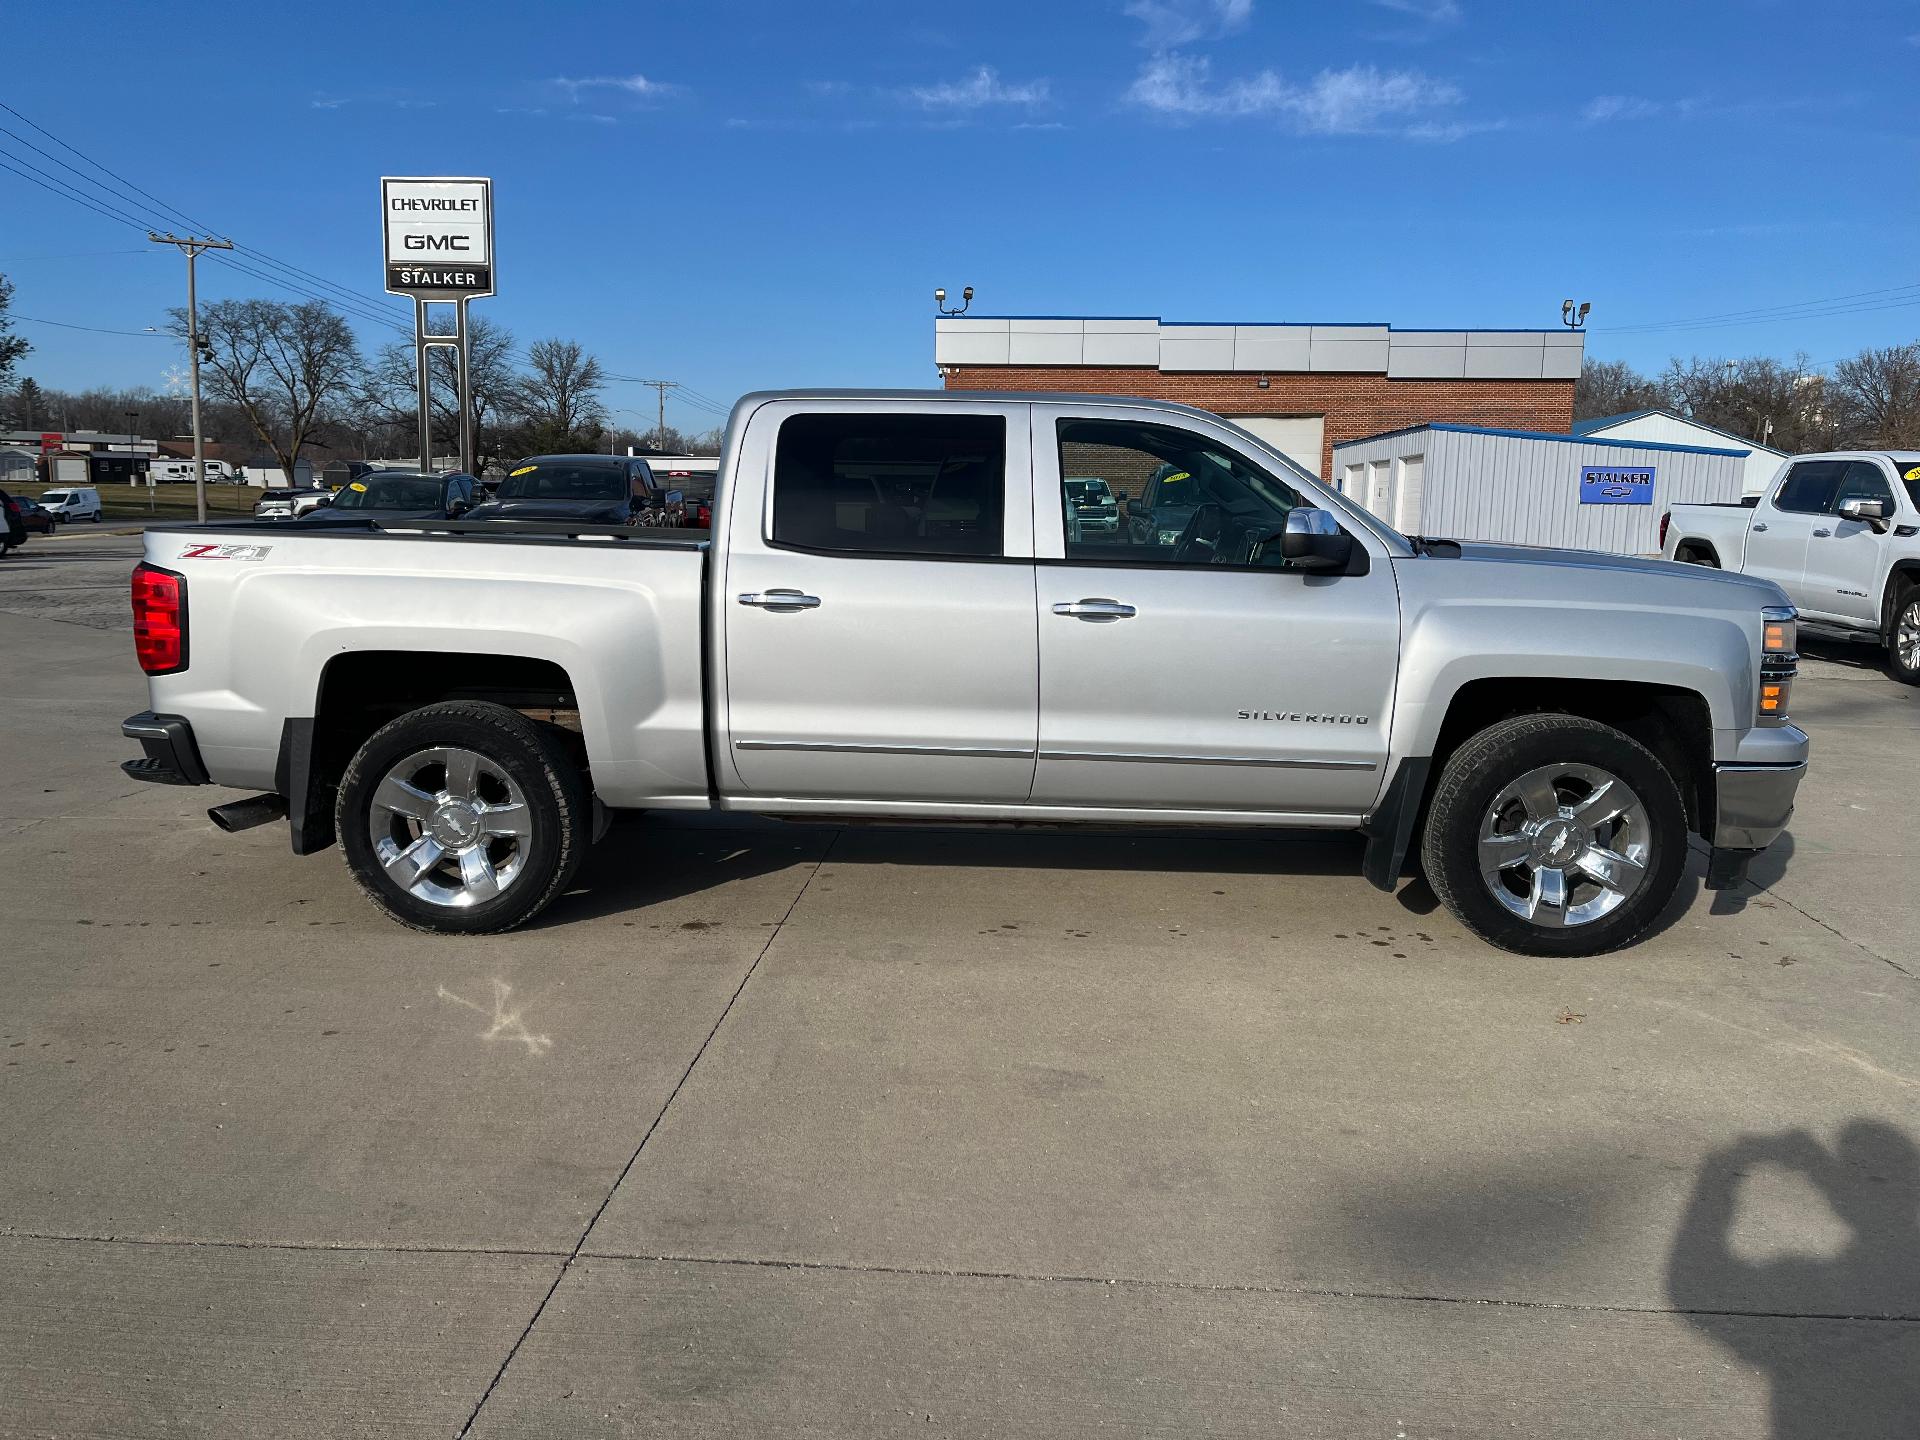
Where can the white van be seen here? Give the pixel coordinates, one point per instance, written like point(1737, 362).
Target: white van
point(82, 502)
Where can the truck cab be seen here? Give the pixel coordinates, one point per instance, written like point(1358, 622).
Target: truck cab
point(1838, 532)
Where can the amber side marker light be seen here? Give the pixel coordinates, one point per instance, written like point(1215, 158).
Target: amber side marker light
point(1779, 659)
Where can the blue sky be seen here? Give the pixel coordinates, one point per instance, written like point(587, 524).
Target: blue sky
point(741, 195)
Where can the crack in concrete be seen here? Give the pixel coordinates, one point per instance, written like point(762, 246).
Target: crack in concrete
point(567, 1264)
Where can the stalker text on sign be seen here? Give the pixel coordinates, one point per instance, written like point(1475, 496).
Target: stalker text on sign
point(1616, 485)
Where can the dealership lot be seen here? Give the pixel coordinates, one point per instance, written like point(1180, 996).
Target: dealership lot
point(833, 1131)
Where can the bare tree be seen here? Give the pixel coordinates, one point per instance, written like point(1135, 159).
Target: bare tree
point(562, 394)
point(1876, 398)
point(12, 347)
point(1612, 387)
point(288, 368)
point(1782, 404)
point(390, 401)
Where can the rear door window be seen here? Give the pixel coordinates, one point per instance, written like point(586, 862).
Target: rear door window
point(1810, 486)
point(891, 484)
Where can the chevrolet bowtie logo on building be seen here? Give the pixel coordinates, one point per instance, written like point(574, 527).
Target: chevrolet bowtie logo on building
point(1303, 718)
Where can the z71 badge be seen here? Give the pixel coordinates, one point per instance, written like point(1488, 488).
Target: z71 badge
point(225, 552)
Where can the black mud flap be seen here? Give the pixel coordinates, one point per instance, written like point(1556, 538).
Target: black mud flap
point(309, 796)
point(1389, 830)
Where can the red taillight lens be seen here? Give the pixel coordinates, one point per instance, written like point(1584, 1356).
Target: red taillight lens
point(159, 619)
point(1665, 520)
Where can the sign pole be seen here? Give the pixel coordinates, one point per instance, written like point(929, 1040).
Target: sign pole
point(437, 235)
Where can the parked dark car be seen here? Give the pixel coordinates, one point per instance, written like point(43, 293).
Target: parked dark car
point(36, 517)
point(605, 489)
point(410, 493)
point(12, 531)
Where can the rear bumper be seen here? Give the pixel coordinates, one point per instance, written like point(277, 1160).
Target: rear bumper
point(171, 757)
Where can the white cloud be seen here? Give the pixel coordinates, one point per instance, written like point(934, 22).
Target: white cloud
point(982, 88)
point(1359, 100)
point(1170, 23)
point(631, 84)
point(1433, 12)
point(1603, 108)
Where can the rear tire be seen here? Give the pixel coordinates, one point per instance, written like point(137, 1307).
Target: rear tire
point(1524, 847)
point(464, 818)
point(1903, 637)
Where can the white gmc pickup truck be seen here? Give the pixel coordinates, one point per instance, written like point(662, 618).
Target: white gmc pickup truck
point(900, 614)
point(1840, 533)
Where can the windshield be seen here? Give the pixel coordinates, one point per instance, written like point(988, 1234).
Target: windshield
point(54, 497)
point(1087, 491)
point(1910, 477)
point(561, 480)
point(390, 492)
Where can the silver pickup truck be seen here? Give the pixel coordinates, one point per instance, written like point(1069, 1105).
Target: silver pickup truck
point(896, 617)
point(1840, 533)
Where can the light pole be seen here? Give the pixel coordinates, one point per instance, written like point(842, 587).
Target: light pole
point(1573, 317)
point(191, 246)
point(940, 302)
point(133, 417)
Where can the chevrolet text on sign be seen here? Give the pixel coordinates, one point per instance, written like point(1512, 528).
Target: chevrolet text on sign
point(439, 236)
point(1616, 485)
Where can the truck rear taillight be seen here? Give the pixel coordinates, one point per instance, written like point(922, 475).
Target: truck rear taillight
point(159, 619)
point(1666, 519)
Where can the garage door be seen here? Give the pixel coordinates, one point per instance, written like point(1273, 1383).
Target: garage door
point(1297, 437)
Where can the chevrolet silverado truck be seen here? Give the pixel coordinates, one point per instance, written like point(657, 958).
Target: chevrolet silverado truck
point(1839, 533)
point(893, 618)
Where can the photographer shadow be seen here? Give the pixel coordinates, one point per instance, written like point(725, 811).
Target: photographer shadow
point(1839, 1337)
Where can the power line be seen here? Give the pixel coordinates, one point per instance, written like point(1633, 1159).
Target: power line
point(1798, 310)
point(69, 325)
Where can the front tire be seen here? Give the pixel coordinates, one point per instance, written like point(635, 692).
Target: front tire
point(1903, 637)
point(1555, 835)
point(463, 818)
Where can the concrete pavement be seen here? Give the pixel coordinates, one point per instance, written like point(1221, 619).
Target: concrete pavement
point(854, 1132)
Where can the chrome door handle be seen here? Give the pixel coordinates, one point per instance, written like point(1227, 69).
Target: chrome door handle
point(1095, 609)
point(1823, 532)
point(781, 600)
point(1761, 525)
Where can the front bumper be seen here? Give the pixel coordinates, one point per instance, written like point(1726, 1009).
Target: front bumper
point(1752, 804)
point(171, 757)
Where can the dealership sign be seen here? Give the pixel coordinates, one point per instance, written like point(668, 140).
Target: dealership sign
point(439, 237)
point(1615, 485)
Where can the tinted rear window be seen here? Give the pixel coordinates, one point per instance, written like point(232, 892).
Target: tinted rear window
point(559, 480)
point(892, 484)
point(1810, 486)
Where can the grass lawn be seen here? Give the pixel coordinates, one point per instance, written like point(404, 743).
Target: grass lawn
point(174, 502)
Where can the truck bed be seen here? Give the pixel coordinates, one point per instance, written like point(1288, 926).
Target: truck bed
point(615, 611)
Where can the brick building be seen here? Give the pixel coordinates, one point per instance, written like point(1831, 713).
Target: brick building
point(1302, 388)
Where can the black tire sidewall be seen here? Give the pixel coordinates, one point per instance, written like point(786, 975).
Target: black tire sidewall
point(1453, 832)
point(554, 795)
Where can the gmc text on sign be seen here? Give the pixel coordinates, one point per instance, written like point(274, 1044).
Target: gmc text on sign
point(1616, 485)
point(439, 236)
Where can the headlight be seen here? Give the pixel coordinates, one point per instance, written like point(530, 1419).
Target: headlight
point(1779, 661)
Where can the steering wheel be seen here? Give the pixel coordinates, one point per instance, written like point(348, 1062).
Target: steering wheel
point(1200, 537)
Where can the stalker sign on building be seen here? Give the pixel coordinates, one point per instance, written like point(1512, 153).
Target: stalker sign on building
point(439, 237)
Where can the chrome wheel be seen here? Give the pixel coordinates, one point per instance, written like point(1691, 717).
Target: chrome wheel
point(449, 827)
point(1906, 637)
point(1564, 845)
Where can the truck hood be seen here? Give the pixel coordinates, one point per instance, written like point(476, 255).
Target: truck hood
point(612, 512)
point(1597, 565)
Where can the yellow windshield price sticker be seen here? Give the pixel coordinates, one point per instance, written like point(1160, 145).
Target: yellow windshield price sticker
point(356, 485)
point(523, 470)
point(1913, 474)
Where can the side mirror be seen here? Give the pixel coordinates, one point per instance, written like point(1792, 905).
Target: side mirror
point(459, 507)
point(1313, 540)
point(1137, 508)
point(1872, 512)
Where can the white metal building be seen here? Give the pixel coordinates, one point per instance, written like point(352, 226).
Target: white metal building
point(1667, 428)
point(1524, 487)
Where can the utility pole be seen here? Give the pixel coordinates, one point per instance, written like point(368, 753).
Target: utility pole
point(191, 246)
point(660, 434)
